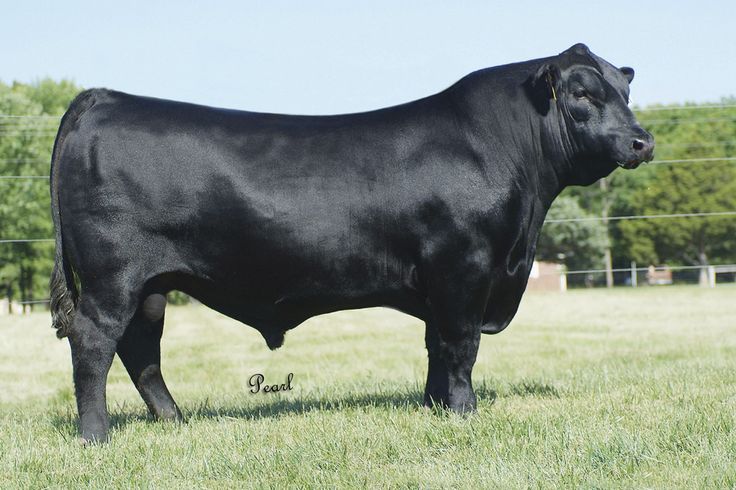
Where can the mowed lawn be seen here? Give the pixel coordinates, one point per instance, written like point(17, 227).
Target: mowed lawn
point(623, 388)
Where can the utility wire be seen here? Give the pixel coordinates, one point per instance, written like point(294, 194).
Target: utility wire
point(686, 108)
point(679, 160)
point(563, 220)
point(641, 216)
point(28, 240)
point(696, 145)
point(654, 122)
point(23, 160)
point(695, 160)
point(28, 116)
point(635, 109)
point(17, 177)
point(567, 273)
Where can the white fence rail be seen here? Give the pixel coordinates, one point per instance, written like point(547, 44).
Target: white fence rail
point(655, 275)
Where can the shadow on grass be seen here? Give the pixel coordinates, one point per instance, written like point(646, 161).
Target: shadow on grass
point(534, 388)
point(408, 400)
point(401, 400)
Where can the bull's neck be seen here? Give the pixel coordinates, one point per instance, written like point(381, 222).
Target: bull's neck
point(505, 128)
point(552, 148)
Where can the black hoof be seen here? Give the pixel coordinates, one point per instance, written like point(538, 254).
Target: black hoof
point(466, 406)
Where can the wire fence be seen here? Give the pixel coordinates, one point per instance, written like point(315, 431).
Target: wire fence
point(21, 125)
point(658, 273)
point(27, 240)
point(640, 216)
point(637, 110)
point(551, 221)
point(654, 162)
point(685, 108)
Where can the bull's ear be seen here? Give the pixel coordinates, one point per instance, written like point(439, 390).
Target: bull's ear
point(544, 86)
point(547, 80)
point(628, 73)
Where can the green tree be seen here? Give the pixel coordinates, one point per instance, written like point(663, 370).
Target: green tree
point(25, 150)
point(686, 187)
point(682, 133)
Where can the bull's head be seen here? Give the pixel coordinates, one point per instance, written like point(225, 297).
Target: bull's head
point(587, 98)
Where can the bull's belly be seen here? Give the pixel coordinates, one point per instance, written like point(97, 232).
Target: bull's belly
point(280, 301)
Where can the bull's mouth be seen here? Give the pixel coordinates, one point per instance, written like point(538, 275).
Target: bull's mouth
point(633, 163)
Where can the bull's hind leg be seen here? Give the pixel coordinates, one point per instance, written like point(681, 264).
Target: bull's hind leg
point(92, 348)
point(140, 351)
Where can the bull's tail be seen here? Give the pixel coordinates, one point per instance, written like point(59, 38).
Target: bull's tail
point(64, 294)
point(63, 290)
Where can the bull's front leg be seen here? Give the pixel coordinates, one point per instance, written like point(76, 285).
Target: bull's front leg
point(452, 350)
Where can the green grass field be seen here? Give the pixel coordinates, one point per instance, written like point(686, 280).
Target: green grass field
point(628, 388)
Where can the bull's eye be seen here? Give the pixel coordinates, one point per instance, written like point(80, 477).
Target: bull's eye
point(579, 93)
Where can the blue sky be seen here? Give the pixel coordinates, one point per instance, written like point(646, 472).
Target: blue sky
point(328, 57)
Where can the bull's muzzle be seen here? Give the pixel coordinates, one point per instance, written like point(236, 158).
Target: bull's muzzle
point(642, 148)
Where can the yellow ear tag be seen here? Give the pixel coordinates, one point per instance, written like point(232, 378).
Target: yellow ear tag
point(552, 87)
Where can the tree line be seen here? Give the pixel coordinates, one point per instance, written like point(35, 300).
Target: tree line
point(686, 132)
point(25, 150)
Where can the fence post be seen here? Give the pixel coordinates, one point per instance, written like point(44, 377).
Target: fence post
point(605, 204)
point(633, 274)
point(10, 300)
point(711, 276)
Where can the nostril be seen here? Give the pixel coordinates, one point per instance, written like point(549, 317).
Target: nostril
point(638, 145)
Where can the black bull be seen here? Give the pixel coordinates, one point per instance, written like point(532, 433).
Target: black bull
point(431, 207)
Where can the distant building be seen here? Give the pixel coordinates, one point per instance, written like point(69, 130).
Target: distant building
point(657, 276)
point(547, 276)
